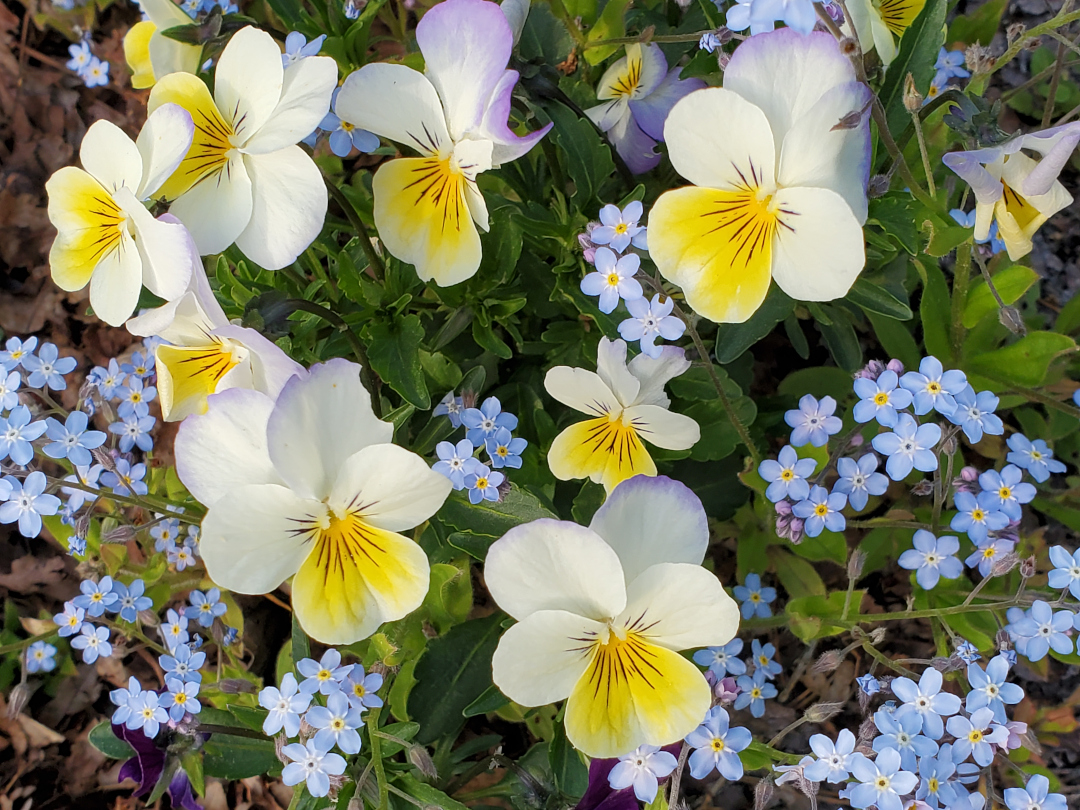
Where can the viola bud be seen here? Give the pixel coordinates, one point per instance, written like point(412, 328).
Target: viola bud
point(1027, 567)
point(420, 759)
point(1004, 565)
point(855, 564)
point(1011, 320)
point(17, 700)
point(912, 98)
point(236, 686)
point(763, 793)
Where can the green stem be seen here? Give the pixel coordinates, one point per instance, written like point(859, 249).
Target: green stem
point(978, 83)
point(961, 279)
point(1055, 80)
point(374, 259)
point(17, 646)
point(235, 731)
point(885, 523)
point(644, 38)
point(376, 756)
point(887, 662)
point(148, 502)
point(917, 121)
point(976, 589)
point(790, 727)
point(135, 633)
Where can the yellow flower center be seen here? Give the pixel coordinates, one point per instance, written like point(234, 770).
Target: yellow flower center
point(613, 279)
point(347, 127)
point(1022, 211)
point(881, 398)
point(989, 552)
point(1005, 493)
point(337, 724)
point(788, 475)
point(192, 373)
point(933, 387)
point(821, 510)
point(978, 514)
point(359, 690)
point(932, 784)
point(755, 597)
point(621, 228)
point(481, 483)
point(882, 783)
point(502, 452)
point(180, 697)
point(975, 735)
point(324, 675)
point(1036, 455)
point(96, 597)
point(755, 693)
point(717, 745)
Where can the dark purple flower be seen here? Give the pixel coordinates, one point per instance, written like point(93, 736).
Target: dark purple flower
point(600, 795)
point(146, 767)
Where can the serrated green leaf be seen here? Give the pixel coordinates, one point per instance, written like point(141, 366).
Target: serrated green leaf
point(394, 352)
point(491, 518)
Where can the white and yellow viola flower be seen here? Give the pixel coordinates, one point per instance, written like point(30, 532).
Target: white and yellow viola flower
point(455, 114)
point(602, 613)
point(779, 190)
point(105, 235)
point(1021, 193)
point(245, 180)
point(152, 55)
point(879, 24)
point(628, 407)
point(309, 487)
point(205, 353)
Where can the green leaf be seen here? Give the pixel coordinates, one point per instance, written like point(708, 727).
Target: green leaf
point(895, 339)
point(809, 615)
point(732, 339)
point(571, 774)
point(875, 298)
point(588, 158)
point(544, 38)
point(944, 239)
point(403, 731)
point(719, 438)
point(229, 757)
point(491, 518)
point(394, 352)
point(895, 214)
point(798, 576)
point(819, 380)
point(401, 688)
point(918, 52)
point(612, 24)
point(288, 11)
point(301, 646)
point(843, 343)
point(454, 670)
point(935, 314)
point(1010, 283)
point(980, 25)
point(102, 738)
point(490, 701)
point(427, 794)
point(1026, 362)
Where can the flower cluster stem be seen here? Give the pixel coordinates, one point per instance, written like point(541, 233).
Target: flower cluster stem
point(376, 756)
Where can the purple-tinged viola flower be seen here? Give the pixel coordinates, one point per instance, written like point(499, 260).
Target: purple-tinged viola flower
point(324, 676)
point(1035, 795)
point(311, 765)
point(933, 388)
point(909, 446)
point(638, 92)
point(813, 421)
point(482, 422)
point(932, 558)
point(47, 368)
point(716, 746)
point(613, 280)
point(722, 660)
point(1045, 629)
point(821, 510)
point(1003, 492)
point(72, 440)
point(975, 414)
point(620, 229)
point(600, 795)
point(1033, 456)
point(976, 519)
point(926, 700)
point(650, 319)
point(882, 781)
point(974, 736)
point(880, 399)
point(754, 598)
point(1013, 189)
point(504, 450)
point(1066, 573)
point(833, 761)
point(989, 689)
point(147, 766)
point(859, 480)
point(902, 733)
point(787, 475)
point(988, 552)
point(642, 769)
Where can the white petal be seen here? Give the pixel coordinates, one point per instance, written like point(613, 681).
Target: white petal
point(166, 263)
point(611, 366)
point(163, 142)
point(607, 115)
point(820, 253)
point(111, 157)
point(248, 81)
point(744, 158)
point(217, 208)
point(653, 520)
point(555, 565)
point(786, 74)
point(225, 448)
point(249, 540)
point(305, 100)
point(581, 390)
point(271, 368)
point(814, 154)
point(680, 606)
point(466, 45)
point(318, 422)
point(538, 660)
point(289, 207)
point(116, 283)
point(655, 372)
point(397, 103)
point(390, 487)
point(661, 427)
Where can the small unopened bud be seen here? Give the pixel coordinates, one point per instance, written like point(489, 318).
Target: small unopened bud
point(912, 98)
point(864, 739)
point(820, 712)
point(851, 120)
point(953, 663)
point(1011, 320)
point(236, 686)
point(1004, 565)
point(1029, 740)
point(337, 782)
point(877, 635)
point(782, 507)
point(1013, 32)
point(795, 530)
point(121, 534)
point(149, 618)
point(306, 729)
point(726, 690)
point(871, 371)
point(763, 793)
point(856, 441)
point(948, 446)
point(849, 46)
point(104, 458)
point(422, 761)
point(855, 564)
point(895, 366)
point(17, 700)
point(827, 662)
point(1027, 567)
point(722, 59)
point(923, 488)
point(978, 59)
point(878, 185)
point(1003, 641)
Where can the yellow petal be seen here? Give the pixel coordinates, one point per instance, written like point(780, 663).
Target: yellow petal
point(208, 154)
point(717, 246)
point(422, 214)
point(634, 693)
point(137, 54)
point(603, 449)
point(187, 375)
point(89, 224)
point(356, 578)
point(899, 14)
